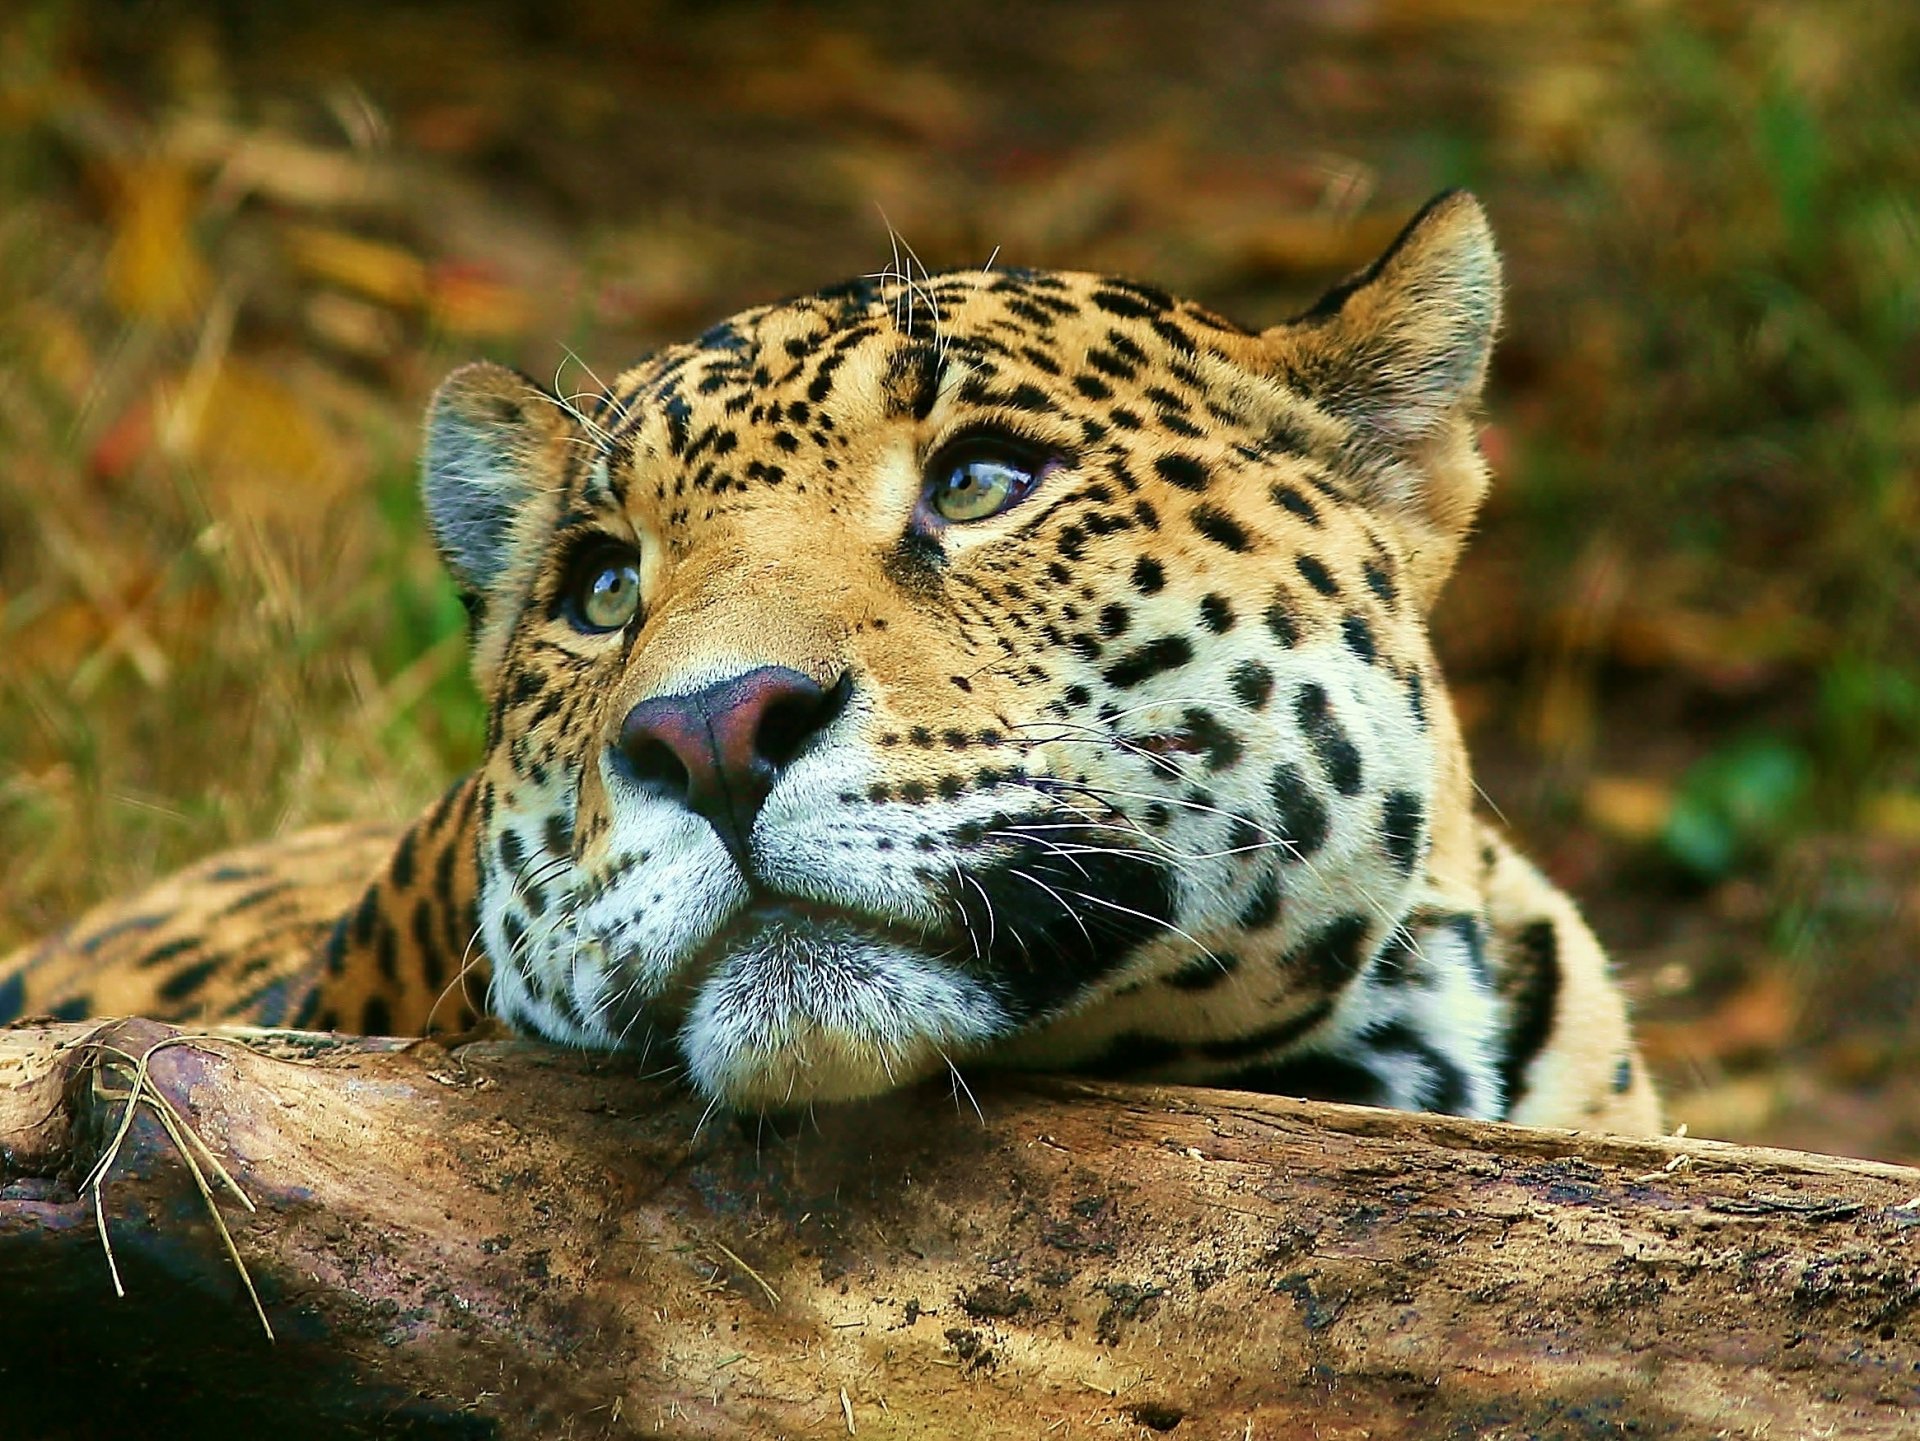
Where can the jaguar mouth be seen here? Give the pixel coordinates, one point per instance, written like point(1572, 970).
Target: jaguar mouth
point(773, 911)
point(794, 1002)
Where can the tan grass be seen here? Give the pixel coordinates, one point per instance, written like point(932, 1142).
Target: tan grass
point(140, 1090)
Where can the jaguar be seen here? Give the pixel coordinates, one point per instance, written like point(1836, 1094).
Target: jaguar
point(1006, 668)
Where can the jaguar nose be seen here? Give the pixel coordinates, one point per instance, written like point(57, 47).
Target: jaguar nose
point(719, 751)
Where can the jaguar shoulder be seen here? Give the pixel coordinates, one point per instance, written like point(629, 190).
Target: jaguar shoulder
point(1020, 668)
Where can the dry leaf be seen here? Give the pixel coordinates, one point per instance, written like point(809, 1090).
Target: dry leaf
point(1630, 808)
point(261, 450)
point(154, 267)
point(1895, 814)
point(465, 298)
point(373, 268)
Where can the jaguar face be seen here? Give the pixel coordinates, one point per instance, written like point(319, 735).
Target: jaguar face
point(960, 666)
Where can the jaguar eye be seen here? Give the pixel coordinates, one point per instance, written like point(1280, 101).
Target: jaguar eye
point(981, 483)
point(604, 593)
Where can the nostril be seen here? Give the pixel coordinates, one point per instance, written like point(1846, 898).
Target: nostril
point(658, 747)
point(790, 721)
point(652, 763)
point(783, 730)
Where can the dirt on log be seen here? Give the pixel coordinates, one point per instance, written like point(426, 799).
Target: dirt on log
point(512, 1240)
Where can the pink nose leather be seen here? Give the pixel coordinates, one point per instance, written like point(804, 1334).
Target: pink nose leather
point(719, 750)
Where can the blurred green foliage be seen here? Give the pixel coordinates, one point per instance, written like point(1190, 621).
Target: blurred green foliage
point(1736, 804)
point(1753, 185)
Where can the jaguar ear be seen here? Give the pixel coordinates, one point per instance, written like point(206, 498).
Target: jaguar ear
point(1400, 352)
point(496, 443)
point(1402, 347)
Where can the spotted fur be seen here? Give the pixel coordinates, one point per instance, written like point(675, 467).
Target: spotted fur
point(1152, 774)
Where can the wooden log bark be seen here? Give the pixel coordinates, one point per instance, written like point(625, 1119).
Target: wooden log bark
point(512, 1240)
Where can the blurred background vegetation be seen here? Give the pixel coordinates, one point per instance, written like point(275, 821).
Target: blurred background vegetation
point(239, 243)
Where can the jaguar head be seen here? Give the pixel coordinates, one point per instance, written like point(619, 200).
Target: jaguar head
point(961, 665)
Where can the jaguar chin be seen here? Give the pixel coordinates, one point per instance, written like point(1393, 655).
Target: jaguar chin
point(796, 1007)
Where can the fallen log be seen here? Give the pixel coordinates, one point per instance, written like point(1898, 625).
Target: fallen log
point(508, 1239)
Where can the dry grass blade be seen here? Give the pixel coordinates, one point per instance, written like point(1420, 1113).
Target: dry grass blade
point(761, 1281)
point(193, 1149)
